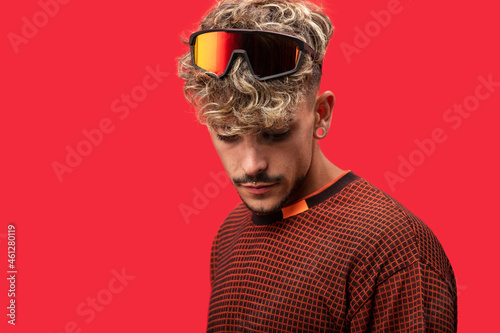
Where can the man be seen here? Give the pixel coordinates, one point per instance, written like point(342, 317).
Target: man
point(312, 247)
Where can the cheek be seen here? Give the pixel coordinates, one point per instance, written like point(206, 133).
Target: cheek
point(228, 162)
point(224, 156)
point(304, 150)
point(304, 162)
point(298, 156)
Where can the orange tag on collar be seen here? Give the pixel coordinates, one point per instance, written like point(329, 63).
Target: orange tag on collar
point(294, 209)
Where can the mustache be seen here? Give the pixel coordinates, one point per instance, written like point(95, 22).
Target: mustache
point(260, 178)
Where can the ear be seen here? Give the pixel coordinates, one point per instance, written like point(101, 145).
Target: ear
point(323, 109)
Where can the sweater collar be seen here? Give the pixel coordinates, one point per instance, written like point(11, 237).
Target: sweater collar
point(308, 202)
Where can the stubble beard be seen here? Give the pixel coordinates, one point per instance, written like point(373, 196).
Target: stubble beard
point(261, 210)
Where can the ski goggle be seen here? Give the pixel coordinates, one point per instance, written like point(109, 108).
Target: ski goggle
point(269, 54)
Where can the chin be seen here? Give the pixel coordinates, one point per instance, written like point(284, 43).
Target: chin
point(264, 206)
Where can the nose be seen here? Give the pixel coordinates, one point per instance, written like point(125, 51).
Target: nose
point(253, 158)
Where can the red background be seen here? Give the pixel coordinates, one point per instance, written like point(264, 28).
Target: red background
point(121, 206)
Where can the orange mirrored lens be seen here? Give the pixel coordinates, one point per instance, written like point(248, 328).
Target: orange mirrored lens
point(213, 50)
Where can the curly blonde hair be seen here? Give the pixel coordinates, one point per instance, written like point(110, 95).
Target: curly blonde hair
point(239, 103)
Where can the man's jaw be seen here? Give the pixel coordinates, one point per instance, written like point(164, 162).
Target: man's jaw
point(261, 198)
point(257, 196)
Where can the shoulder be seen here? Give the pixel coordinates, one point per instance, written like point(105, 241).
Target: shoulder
point(235, 220)
point(239, 215)
point(430, 250)
point(389, 236)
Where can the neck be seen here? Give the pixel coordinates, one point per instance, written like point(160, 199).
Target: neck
point(320, 173)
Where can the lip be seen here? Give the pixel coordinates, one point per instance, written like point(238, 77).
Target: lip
point(258, 189)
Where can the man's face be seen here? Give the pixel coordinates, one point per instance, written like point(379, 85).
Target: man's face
point(277, 161)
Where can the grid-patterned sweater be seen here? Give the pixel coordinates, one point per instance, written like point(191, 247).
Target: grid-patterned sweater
point(347, 259)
